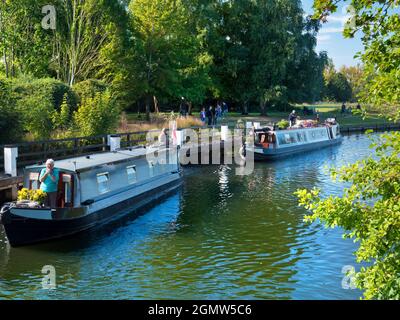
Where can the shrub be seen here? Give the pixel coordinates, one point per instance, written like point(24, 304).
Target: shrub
point(88, 89)
point(61, 119)
point(50, 89)
point(37, 114)
point(283, 124)
point(10, 120)
point(97, 115)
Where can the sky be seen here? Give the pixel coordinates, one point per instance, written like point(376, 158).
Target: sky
point(331, 39)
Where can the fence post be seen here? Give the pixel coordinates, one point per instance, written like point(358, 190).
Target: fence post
point(114, 142)
point(179, 137)
point(10, 160)
point(224, 133)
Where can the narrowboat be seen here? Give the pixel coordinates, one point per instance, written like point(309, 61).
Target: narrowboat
point(270, 144)
point(92, 190)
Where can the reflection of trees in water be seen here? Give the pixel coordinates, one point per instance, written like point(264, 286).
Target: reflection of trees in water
point(236, 235)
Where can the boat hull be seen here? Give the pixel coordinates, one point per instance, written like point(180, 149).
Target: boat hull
point(277, 153)
point(25, 230)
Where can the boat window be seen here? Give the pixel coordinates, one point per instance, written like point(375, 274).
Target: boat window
point(103, 182)
point(34, 181)
point(301, 136)
point(67, 181)
point(287, 138)
point(131, 172)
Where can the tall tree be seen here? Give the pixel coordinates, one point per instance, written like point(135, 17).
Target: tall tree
point(169, 60)
point(25, 47)
point(379, 22)
point(84, 29)
point(355, 76)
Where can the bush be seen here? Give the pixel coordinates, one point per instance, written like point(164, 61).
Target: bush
point(10, 120)
point(88, 89)
point(283, 124)
point(49, 89)
point(97, 115)
point(37, 114)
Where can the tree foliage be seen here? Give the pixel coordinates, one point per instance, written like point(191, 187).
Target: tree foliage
point(338, 88)
point(97, 115)
point(379, 22)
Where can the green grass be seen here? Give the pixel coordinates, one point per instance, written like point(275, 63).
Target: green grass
point(324, 109)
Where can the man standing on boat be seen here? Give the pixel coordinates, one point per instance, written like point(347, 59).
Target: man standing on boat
point(49, 183)
point(292, 118)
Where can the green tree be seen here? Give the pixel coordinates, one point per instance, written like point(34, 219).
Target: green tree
point(98, 115)
point(37, 114)
point(61, 119)
point(168, 60)
point(25, 47)
point(10, 120)
point(338, 88)
point(355, 76)
point(379, 22)
point(265, 53)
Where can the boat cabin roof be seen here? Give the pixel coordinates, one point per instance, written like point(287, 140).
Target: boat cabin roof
point(83, 163)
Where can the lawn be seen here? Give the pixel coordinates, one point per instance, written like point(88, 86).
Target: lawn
point(325, 110)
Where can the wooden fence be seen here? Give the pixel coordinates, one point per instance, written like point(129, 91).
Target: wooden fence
point(38, 151)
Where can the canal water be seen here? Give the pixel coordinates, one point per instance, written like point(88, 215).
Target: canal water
point(220, 236)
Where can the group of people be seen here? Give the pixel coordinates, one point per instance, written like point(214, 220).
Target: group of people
point(212, 115)
point(344, 109)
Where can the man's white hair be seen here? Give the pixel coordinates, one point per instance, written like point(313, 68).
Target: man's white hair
point(50, 161)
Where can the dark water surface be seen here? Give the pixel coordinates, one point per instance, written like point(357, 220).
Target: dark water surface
point(221, 236)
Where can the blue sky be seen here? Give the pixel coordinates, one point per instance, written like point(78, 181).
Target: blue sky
point(330, 38)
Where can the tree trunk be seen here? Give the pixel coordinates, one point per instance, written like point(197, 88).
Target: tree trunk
point(156, 110)
point(5, 62)
point(190, 108)
point(12, 61)
point(2, 39)
point(244, 110)
point(148, 98)
point(263, 107)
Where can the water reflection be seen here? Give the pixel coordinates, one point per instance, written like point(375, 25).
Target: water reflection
point(221, 236)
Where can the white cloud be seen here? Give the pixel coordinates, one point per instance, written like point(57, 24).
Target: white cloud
point(323, 38)
point(340, 19)
point(331, 30)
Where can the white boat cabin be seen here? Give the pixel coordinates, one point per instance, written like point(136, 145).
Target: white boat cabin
point(84, 180)
point(293, 137)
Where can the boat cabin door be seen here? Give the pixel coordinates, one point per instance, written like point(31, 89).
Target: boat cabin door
point(65, 197)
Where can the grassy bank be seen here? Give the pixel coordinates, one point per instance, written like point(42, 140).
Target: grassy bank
point(136, 122)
